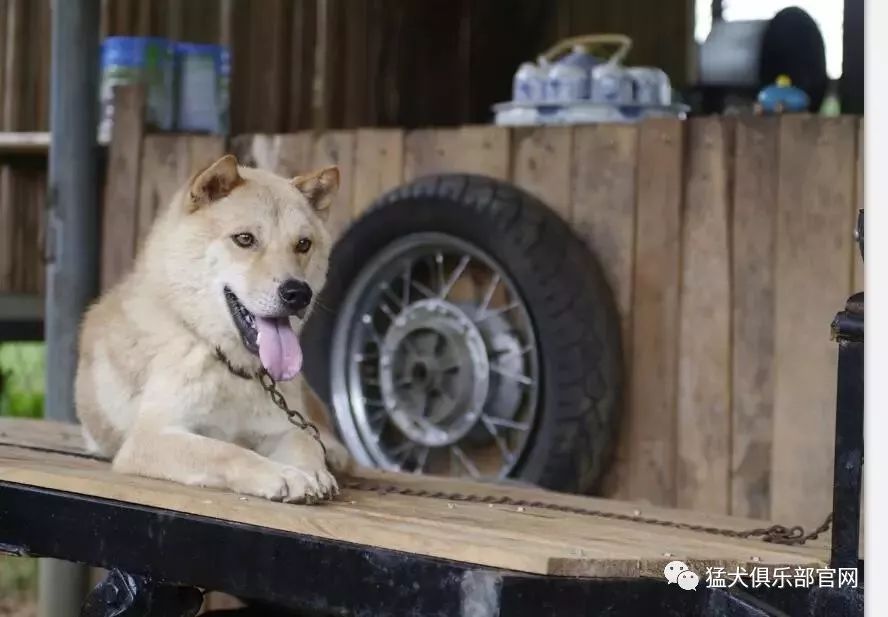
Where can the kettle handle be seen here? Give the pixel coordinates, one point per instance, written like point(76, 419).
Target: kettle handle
point(623, 43)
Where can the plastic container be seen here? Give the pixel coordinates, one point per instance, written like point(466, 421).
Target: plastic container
point(529, 83)
point(130, 60)
point(651, 86)
point(566, 83)
point(611, 84)
point(199, 97)
point(224, 82)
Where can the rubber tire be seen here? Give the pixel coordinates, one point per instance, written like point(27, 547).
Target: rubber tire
point(562, 285)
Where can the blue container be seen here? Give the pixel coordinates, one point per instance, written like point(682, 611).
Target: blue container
point(203, 80)
point(128, 60)
point(782, 97)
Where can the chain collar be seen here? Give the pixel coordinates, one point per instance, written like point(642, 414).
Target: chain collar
point(234, 370)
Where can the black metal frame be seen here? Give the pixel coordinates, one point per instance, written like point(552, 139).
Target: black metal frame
point(168, 555)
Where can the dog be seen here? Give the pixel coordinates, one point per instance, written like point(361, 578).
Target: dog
point(166, 380)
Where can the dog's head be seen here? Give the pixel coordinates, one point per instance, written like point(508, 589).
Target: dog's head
point(252, 252)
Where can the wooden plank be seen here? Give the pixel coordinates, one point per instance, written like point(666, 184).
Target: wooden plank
point(858, 275)
point(813, 279)
point(533, 540)
point(604, 162)
point(159, 179)
point(603, 198)
point(302, 65)
point(167, 162)
point(470, 149)
point(379, 163)
point(541, 164)
point(121, 212)
point(338, 148)
point(704, 363)
point(286, 155)
point(753, 237)
point(646, 463)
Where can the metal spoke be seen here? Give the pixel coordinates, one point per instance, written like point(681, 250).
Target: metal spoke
point(428, 293)
point(454, 276)
point(508, 353)
point(507, 454)
point(466, 462)
point(421, 460)
point(439, 267)
point(388, 311)
point(402, 451)
point(367, 320)
point(391, 295)
point(522, 379)
point(510, 424)
point(406, 289)
point(497, 311)
point(488, 294)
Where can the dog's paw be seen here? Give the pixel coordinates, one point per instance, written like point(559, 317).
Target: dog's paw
point(292, 485)
point(338, 458)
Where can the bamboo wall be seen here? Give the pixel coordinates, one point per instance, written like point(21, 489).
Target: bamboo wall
point(728, 245)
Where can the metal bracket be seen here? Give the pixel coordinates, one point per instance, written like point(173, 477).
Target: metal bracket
point(127, 595)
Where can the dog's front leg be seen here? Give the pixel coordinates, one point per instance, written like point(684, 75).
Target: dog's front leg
point(178, 455)
point(163, 443)
point(299, 448)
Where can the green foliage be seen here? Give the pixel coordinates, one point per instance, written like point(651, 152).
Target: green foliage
point(22, 381)
point(18, 576)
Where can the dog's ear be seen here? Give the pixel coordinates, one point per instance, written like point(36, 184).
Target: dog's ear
point(214, 182)
point(319, 188)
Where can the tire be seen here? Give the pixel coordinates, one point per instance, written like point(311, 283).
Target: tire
point(564, 291)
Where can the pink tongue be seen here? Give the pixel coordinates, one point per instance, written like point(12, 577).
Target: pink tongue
point(279, 349)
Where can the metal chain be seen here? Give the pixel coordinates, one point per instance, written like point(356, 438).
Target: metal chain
point(776, 534)
point(296, 418)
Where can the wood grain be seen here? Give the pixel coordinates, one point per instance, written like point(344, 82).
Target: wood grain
point(167, 162)
point(469, 149)
point(338, 148)
point(533, 540)
point(603, 200)
point(541, 164)
point(813, 279)
point(379, 165)
point(754, 229)
point(704, 370)
point(121, 205)
point(858, 275)
point(648, 460)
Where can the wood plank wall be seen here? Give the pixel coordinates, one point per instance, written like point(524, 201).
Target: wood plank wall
point(329, 64)
point(727, 243)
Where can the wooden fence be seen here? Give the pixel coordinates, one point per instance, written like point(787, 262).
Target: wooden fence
point(728, 246)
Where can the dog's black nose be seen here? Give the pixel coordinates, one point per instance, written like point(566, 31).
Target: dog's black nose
point(296, 295)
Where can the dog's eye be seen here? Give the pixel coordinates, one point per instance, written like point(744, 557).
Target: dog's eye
point(244, 240)
point(303, 245)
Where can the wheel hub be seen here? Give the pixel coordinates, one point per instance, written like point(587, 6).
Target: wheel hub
point(434, 372)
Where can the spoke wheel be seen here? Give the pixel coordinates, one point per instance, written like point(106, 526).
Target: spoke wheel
point(435, 365)
point(465, 330)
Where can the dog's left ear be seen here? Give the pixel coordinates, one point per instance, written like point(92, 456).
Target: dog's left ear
point(319, 188)
point(214, 183)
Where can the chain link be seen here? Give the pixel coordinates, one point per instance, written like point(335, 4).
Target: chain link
point(296, 418)
point(776, 534)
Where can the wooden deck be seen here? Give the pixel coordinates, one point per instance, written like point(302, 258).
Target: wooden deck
point(531, 540)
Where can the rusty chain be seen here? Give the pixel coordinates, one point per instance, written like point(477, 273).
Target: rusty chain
point(296, 418)
point(776, 534)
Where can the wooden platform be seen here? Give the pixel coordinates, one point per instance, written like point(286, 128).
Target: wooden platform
point(538, 541)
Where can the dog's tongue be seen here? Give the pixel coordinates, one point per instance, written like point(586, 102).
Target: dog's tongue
point(279, 349)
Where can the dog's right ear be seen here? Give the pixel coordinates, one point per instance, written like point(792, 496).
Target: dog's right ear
point(214, 183)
